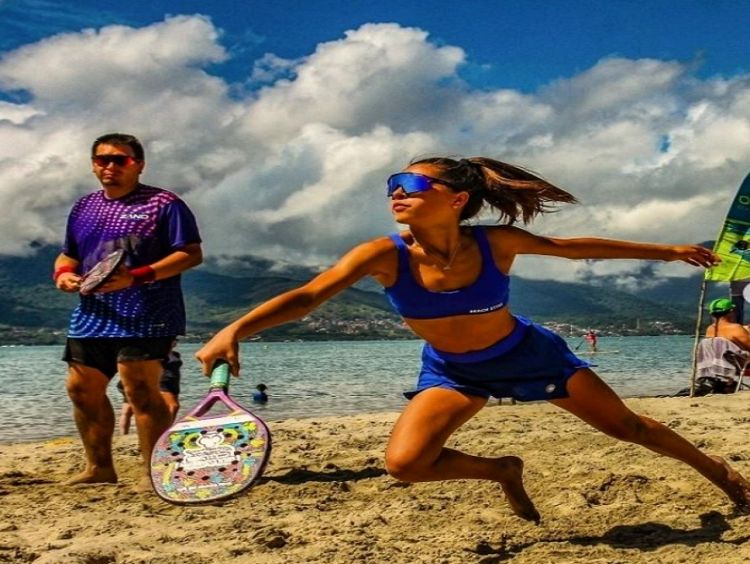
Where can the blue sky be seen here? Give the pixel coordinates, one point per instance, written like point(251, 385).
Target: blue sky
point(275, 119)
point(519, 44)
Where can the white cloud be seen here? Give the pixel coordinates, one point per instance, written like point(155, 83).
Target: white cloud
point(16, 113)
point(99, 68)
point(295, 167)
point(379, 74)
point(653, 218)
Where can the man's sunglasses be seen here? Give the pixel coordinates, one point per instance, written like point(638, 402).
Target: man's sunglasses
point(119, 160)
point(411, 183)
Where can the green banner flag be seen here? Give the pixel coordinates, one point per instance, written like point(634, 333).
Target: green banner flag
point(733, 244)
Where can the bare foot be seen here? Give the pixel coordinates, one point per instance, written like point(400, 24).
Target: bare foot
point(512, 484)
point(733, 484)
point(143, 485)
point(94, 476)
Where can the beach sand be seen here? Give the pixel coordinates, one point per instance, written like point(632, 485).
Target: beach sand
point(325, 497)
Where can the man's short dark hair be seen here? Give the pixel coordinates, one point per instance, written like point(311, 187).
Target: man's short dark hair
point(720, 314)
point(120, 139)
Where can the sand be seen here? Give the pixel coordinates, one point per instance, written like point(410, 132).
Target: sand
point(325, 497)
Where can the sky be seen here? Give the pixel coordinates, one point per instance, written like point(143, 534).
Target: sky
point(278, 122)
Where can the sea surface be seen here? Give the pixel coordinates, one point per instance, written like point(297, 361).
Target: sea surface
point(312, 379)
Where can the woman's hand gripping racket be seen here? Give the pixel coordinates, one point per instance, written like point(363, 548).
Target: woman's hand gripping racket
point(203, 458)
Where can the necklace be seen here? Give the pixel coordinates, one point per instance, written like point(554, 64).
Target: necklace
point(443, 264)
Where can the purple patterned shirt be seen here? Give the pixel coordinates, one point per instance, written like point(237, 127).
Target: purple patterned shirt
point(149, 223)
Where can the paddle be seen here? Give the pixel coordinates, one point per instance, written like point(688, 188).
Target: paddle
point(101, 272)
point(205, 457)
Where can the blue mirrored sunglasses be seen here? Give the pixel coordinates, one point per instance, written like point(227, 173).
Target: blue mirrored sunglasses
point(411, 183)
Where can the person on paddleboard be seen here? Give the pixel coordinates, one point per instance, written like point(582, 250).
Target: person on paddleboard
point(591, 339)
point(450, 282)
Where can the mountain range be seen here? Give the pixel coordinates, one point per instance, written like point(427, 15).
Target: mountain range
point(32, 311)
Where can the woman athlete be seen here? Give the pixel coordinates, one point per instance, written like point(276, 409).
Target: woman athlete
point(450, 283)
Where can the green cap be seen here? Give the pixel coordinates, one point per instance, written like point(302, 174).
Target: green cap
point(720, 305)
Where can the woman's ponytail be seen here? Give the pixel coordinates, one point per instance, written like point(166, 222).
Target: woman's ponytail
point(513, 192)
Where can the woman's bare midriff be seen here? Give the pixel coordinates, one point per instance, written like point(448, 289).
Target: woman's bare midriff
point(464, 333)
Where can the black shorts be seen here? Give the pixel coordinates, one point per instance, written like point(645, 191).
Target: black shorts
point(104, 354)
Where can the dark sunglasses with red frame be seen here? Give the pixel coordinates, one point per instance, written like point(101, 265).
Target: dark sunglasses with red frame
point(119, 160)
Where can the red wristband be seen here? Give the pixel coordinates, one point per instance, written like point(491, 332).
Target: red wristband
point(142, 275)
point(60, 271)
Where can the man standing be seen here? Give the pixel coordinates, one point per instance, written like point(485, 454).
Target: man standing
point(127, 325)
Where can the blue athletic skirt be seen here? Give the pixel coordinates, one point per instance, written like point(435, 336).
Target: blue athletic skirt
point(532, 363)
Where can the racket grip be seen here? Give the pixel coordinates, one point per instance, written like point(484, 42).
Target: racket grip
point(220, 374)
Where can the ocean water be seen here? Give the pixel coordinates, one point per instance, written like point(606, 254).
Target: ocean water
point(311, 379)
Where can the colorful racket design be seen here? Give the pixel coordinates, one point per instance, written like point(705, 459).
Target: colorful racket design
point(203, 458)
point(101, 272)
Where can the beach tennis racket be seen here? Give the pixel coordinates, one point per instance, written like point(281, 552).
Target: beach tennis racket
point(205, 457)
point(101, 272)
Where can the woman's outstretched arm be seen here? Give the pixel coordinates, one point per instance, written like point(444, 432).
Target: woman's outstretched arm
point(521, 242)
point(371, 258)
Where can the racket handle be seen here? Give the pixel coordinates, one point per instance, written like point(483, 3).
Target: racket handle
point(220, 374)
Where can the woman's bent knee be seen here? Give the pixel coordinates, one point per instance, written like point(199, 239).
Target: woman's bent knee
point(403, 467)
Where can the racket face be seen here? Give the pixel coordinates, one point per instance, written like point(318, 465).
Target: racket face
point(101, 271)
point(210, 458)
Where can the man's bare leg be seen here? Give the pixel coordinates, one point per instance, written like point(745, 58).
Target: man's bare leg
point(95, 419)
point(141, 382)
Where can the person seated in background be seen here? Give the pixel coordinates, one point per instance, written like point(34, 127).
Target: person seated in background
point(725, 325)
point(169, 386)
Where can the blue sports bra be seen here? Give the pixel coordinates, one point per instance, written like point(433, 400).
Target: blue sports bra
point(489, 292)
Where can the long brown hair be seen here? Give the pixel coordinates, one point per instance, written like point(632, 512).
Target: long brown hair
point(513, 192)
